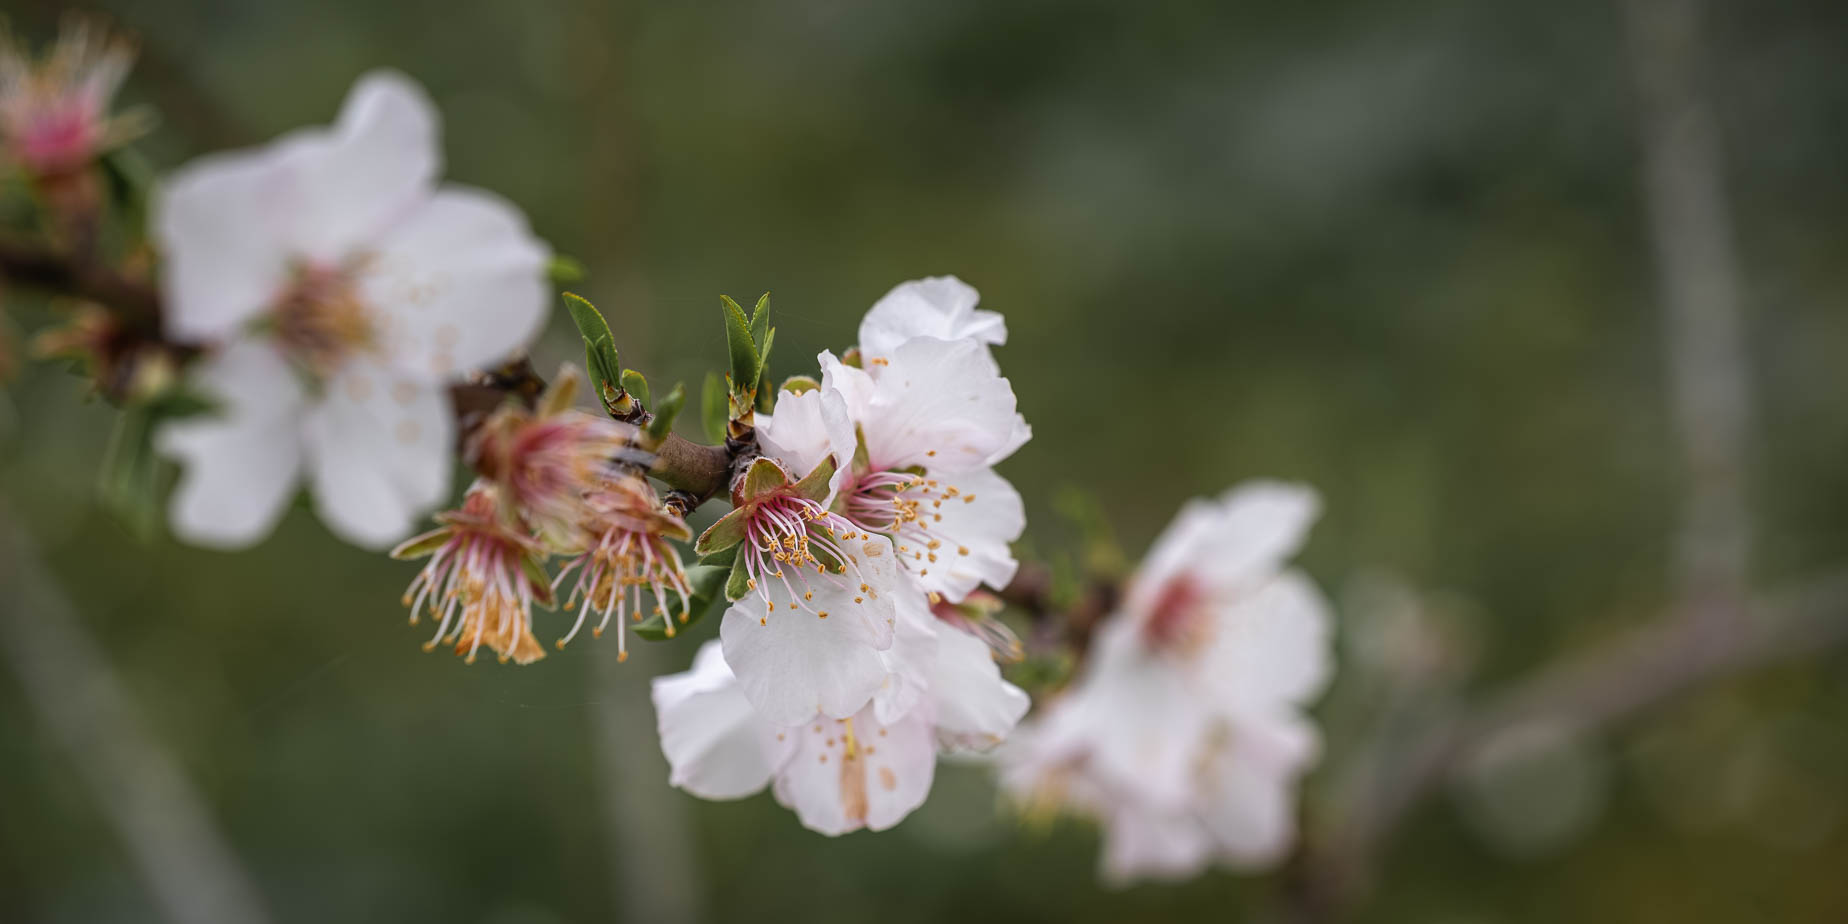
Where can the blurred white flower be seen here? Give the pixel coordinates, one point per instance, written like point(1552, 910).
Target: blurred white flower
point(1184, 734)
point(341, 288)
point(838, 774)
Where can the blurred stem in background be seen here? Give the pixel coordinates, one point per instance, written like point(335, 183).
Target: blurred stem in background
point(140, 788)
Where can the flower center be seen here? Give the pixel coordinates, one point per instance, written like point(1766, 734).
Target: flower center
point(909, 508)
point(320, 320)
point(625, 562)
point(787, 537)
point(1180, 621)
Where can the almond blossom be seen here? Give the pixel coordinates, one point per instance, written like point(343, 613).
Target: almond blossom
point(838, 774)
point(54, 110)
point(816, 598)
point(339, 289)
point(927, 423)
point(631, 551)
point(939, 307)
point(1184, 733)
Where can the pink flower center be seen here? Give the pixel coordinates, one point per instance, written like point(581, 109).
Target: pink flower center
point(801, 545)
point(909, 508)
point(1180, 621)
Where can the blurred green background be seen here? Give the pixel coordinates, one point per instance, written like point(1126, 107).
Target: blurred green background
point(1393, 248)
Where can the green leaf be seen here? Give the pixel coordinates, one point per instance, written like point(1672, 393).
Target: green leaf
point(763, 477)
point(739, 583)
point(599, 344)
point(760, 326)
point(565, 270)
point(128, 483)
point(724, 534)
point(131, 178)
point(714, 408)
point(635, 384)
point(741, 347)
point(665, 412)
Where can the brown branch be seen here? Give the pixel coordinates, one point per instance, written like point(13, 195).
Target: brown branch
point(37, 267)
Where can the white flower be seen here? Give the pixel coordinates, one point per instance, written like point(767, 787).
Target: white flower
point(939, 307)
point(1184, 733)
point(343, 289)
point(838, 774)
point(931, 417)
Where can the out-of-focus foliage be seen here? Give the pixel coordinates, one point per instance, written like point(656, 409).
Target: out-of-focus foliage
point(1393, 249)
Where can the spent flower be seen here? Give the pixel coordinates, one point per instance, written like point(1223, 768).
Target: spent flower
point(54, 108)
point(482, 579)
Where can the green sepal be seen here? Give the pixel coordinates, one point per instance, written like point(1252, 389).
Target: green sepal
point(800, 384)
point(636, 385)
point(862, 463)
point(722, 535)
point(128, 484)
point(814, 485)
point(665, 412)
point(853, 358)
point(421, 546)
point(131, 177)
point(599, 346)
point(739, 583)
point(762, 477)
point(714, 408)
point(542, 582)
point(565, 270)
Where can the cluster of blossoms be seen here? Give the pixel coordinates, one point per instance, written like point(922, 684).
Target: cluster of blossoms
point(1184, 735)
point(843, 668)
point(327, 297)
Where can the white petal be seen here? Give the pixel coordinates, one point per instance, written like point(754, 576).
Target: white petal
point(854, 386)
point(1147, 842)
point(887, 775)
point(942, 307)
point(379, 162)
point(1271, 647)
point(975, 708)
point(716, 745)
point(1249, 798)
point(1145, 727)
point(1232, 543)
point(806, 429)
point(985, 525)
point(793, 664)
point(938, 404)
point(912, 658)
point(457, 285)
point(240, 466)
point(224, 253)
point(380, 453)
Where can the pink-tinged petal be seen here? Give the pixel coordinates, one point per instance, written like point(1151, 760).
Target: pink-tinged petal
point(807, 429)
point(1143, 842)
point(457, 285)
point(974, 707)
point(976, 529)
point(716, 745)
point(1270, 648)
point(224, 250)
point(941, 307)
point(1231, 544)
point(240, 466)
point(379, 162)
point(1249, 790)
point(791, 662)
point(938, 404)
point(858, 773)
point(380, 453)
point(911, 659)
